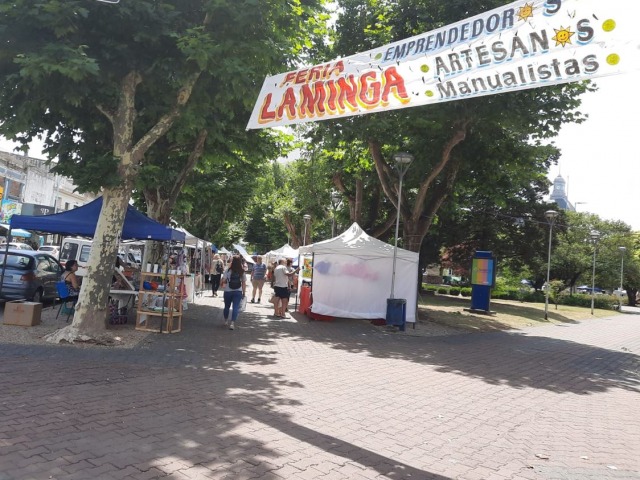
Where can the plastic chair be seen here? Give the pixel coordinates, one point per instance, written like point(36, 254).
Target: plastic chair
point(65, 298)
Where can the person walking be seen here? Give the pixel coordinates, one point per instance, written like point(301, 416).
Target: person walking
point(234, 286)
point(282, 276)
point(258, 277)
point(216, 273)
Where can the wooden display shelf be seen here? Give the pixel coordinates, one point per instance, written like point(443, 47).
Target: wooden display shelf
point(167, 316)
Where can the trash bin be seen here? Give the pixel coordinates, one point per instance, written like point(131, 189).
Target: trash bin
point(396, 312)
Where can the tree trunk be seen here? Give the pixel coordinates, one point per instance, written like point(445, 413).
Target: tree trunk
point(631, 296)
point(432, 191)
point(90, 319)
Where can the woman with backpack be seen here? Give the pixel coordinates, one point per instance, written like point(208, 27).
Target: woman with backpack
point(234, 287)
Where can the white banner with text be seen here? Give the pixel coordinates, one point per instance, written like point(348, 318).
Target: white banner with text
point(519, 46)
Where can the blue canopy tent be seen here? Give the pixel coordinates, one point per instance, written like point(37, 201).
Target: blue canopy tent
point(16, 232)
point(82, 221)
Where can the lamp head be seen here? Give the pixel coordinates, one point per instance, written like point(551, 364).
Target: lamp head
point(402, 158)
point(306, 217)
point(622, 249)
point(551, 215)
point(595, 235)
point(336, 197)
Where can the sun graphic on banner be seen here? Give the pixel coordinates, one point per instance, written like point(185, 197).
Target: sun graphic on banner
point(526, 12)
point(563, 36)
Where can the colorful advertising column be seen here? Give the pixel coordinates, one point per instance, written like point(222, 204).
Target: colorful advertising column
point(482, 280)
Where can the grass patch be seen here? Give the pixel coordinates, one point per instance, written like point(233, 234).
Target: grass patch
point(510, 314)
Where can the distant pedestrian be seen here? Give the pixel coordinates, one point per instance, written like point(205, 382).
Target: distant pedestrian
point(217, 267)
point(258, 277)
point(234, 285)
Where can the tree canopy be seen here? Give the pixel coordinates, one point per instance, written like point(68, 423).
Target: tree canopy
point(103, 84)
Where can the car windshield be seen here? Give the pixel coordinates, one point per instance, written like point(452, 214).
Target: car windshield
point(17, 261)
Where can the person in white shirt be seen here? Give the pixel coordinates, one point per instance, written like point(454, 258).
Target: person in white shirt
point(282, 276)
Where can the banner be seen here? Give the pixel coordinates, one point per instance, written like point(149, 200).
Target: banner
point(519, 46)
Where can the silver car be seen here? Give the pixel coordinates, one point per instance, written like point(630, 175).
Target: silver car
point(52, 250)
point(16, 246)
point(29, 275)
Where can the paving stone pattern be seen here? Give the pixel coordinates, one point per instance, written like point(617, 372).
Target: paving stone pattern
point(298, 399)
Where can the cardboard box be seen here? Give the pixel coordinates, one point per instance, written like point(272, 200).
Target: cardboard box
point(20, 312)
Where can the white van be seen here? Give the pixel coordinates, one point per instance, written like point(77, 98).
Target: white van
point(79, 248)
point(76, 249)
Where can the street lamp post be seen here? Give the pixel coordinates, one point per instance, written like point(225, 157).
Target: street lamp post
point(551, 216)
point(595, 236)
point(307, 220)
point(622, 250)
point(336, 198)
point(403, 160)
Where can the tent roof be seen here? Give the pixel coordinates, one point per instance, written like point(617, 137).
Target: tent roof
point(243, 253)
point(190, 239)
point(17, 232)
point(83, 220)
point(286, 251)
point(355, 242)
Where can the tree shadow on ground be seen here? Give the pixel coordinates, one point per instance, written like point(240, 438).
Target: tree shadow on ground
point(491, 357)
point(192, 411)
point(196, 400)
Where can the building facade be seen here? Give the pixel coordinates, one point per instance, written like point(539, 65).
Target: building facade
point(27, 187)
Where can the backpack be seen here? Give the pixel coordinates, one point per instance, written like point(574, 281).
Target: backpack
point(219, 267)
point(235, 282)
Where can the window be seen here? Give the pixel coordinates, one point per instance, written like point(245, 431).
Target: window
point(44, 266)
point(16, 261)
point(84, 254)
point(69, 251)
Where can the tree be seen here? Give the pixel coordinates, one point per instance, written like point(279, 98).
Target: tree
point(572, 257)
point(496, 139)
point(104, 83)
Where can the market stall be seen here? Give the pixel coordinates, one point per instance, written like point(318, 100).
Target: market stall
point(351, 276)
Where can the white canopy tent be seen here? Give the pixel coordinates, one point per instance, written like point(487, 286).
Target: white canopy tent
point(190, 240)
point(352, 276)
point(240, 249)
point(285, 251)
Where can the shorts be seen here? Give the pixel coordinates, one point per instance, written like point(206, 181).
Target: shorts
point(257, 283)
point(281, 292)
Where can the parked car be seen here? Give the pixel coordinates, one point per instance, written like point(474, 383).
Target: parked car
point(587, 290)
point(52, 250)
point(29, 275)
point(16, 246)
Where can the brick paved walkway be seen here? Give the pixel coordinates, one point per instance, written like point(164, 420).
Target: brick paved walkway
point(294, 399)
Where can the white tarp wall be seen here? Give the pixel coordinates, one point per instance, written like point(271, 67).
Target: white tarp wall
point(352, 276)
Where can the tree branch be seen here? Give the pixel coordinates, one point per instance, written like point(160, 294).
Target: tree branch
point(383, 170)
point(459, 134)
point(191, 162)
point(107, 113)
point(165, 122)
